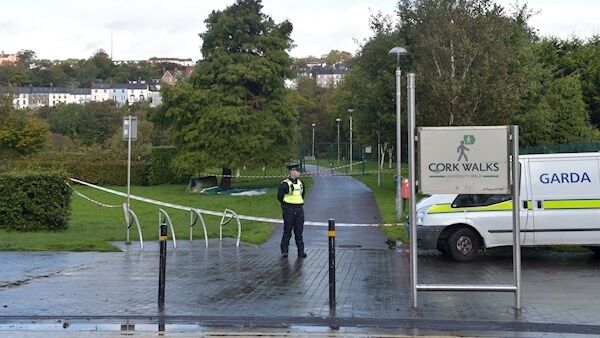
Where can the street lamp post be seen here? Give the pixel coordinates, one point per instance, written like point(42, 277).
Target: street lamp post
point(378, 156)
point(338, 141)
point(398, 51)
point(313, 139)
point(350, 111)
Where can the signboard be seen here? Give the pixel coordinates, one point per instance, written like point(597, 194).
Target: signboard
point(126, 127)
point(464, 160)
point(564, 175)
point(368, 150)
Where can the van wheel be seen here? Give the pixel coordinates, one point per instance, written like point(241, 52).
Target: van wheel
point(463, 244)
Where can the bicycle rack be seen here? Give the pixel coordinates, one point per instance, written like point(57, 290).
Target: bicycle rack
point(130, 217)
point(162, 217)
point(196, 215)
point(230, 214)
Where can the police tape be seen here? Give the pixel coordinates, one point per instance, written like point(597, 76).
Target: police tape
point(91, 199)
point(321, 172)
point(218, 213)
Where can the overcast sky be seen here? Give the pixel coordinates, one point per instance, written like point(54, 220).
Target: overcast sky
point(63, 29)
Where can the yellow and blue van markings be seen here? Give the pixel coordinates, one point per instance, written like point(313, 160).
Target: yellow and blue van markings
point(507, 206)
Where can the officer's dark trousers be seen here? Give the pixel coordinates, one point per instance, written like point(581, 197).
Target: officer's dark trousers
point(293, 219)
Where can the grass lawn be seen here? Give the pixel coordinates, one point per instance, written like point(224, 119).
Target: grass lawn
point(385, 196)
point(91, 227)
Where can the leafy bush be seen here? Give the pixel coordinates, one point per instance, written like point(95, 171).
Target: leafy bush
point(158, 165)
point(34, 201)
point(91, 165)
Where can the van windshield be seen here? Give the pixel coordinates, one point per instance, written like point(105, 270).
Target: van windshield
point(478, 200)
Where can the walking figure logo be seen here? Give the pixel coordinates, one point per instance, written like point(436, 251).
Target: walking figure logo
point(468, 139)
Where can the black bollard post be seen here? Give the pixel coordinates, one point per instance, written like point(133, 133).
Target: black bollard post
point(163, 265)
point(331, 235)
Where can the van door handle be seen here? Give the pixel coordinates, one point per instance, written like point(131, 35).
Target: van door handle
point(540, 204)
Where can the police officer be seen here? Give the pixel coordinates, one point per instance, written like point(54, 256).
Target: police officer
point(291, 196)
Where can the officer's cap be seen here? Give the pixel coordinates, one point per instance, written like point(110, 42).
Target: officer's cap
point(294, 167)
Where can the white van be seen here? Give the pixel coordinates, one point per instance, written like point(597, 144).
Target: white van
point(559, 205)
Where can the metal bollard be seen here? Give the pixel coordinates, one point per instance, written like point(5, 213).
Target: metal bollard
point(163, 265)
point(331, 235)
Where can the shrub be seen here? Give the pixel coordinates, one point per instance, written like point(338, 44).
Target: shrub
point(107, 167)
point(159, 169)
point(34, 201)
point(90, 165)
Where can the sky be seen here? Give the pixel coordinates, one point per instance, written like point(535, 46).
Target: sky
point(62, 29)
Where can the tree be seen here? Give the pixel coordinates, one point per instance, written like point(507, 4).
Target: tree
point(469, 56)
point(369, 88)
point(336, 56)
point(92, 123)
point(25, 58)
point(20, 134)
point(559, 117)
point(235, 110)
point(313, 104)
point(574, 56)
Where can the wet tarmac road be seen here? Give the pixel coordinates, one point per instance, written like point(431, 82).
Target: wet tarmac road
point(346, 200)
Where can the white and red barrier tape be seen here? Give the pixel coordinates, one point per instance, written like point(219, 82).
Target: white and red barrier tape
point(92, 200)
point(210, 212)
point(322, 171)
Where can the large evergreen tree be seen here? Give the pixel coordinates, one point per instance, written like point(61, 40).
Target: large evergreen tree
point(234, 110)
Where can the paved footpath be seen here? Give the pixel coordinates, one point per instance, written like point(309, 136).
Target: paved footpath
point(252, 286)
point(346, 200)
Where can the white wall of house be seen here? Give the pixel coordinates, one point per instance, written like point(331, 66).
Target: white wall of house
point(80, 98)
point(155, 98)
point(55, 99)
point(119, 96)
point(137, 95)
point(100, 95)
point(21, 101)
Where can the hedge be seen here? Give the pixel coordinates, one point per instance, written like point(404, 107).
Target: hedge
point(34, 201)
point(158, 166)
point(150, 167)
point(93, 167)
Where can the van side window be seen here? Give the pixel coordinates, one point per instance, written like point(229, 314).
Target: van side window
point(478, 200)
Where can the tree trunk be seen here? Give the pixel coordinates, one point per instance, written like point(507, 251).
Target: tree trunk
point(226, 179)
point(382, 155)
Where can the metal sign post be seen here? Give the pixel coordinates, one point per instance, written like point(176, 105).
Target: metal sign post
point(411, 184)
point(469, 160)
point(516, 192)
point(129, 134)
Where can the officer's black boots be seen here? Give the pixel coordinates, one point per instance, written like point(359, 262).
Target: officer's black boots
point(284, 254)
point(301, 253)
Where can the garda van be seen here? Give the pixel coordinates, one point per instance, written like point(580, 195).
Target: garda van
point(559, 205)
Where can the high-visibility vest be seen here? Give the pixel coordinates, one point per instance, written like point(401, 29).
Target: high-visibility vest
point(294, 195)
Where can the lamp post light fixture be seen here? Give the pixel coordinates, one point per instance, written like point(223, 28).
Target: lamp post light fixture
point(338, 140)
point(313, 139)
point(350, 112)
point(398, 51)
